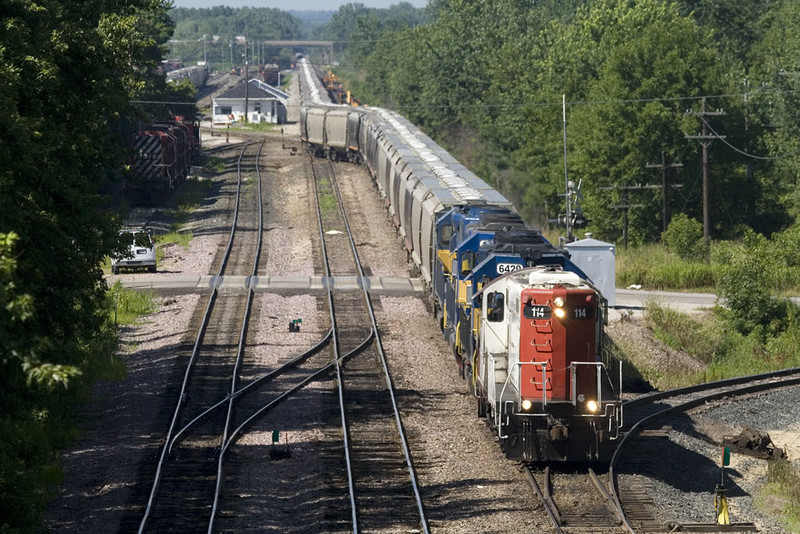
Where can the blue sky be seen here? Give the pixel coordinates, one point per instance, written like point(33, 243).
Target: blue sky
point(287, 5)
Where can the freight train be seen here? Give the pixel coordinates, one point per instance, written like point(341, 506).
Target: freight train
point(524, 323)
point(197, 74)
point(161, 157)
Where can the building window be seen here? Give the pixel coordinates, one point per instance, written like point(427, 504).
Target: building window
point(223, 110)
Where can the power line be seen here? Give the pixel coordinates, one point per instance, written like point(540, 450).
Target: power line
point(743, 153)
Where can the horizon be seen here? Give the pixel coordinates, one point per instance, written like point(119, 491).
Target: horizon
point(293, 5)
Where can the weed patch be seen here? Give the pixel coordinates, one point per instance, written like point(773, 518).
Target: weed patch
point(127, 306)
point(782, 494)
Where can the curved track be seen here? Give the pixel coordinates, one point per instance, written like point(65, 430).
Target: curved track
point(184, 481)
point(649, 410)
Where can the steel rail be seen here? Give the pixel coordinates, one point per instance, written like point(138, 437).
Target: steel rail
point(544, 497)
point(387, 375)
point(275, 373)
point(338, 367)
point(645, 399)
point(242, 344)
point(787, 379)
point(314, 376)
point(195, 352)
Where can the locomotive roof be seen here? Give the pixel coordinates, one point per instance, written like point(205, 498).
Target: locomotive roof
point(545, 277)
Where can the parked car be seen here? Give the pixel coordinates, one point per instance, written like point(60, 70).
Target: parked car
point(142, 253)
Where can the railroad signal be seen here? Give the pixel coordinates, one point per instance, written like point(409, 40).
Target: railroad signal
point(721, 493)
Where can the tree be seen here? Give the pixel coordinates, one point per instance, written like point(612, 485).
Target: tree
point(67, 71)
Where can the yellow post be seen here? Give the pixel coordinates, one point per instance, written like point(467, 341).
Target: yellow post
point(721, 506)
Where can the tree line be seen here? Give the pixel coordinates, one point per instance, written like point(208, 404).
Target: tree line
point(486, 79)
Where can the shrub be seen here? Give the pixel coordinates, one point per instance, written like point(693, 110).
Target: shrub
point(684, 237)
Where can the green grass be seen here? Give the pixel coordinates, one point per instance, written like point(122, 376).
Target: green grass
point(211, 164)
point(263, 127)
point(710, 339)
point(189, 196)
point(654, 267)
point(781, 496)
point(127, 306)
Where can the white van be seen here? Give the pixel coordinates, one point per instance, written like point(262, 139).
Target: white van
point(142, 253)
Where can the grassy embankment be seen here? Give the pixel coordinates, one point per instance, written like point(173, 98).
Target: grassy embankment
point(758, 329)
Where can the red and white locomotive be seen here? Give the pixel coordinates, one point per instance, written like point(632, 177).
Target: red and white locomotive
point(539, 375)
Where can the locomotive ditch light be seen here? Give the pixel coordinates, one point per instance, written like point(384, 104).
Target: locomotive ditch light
point(526, 405)
point(592, 406)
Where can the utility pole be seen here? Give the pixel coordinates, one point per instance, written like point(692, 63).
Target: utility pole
point(566, 175)
point(664, 187)
point(705, 140)
point(625, 206)
point(246, 81)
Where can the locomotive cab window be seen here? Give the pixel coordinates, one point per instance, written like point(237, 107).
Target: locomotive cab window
point(445, 235)
point(467, 262)
point(495, 307)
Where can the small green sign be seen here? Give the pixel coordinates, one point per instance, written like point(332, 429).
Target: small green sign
point(726, 456)
point(275, 436)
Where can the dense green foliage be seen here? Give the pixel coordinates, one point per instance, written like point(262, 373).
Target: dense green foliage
point(486, 80)
point(684, 238)
point(67, 72)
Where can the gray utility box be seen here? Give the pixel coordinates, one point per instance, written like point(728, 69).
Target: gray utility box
point(597, 260)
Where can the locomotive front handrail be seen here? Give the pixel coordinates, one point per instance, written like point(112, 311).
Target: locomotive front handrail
point(599, 367)
point(518, 399)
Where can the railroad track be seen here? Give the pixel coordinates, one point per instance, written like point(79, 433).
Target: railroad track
point(645, 415)
point(181, 494)
point(382, 483)
point(575, 501)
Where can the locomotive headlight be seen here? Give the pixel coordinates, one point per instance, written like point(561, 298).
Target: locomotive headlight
point(526, 405)
point(592, 406)
point(559, 312)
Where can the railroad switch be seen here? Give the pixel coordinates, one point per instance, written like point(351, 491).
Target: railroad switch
point(294, 325)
